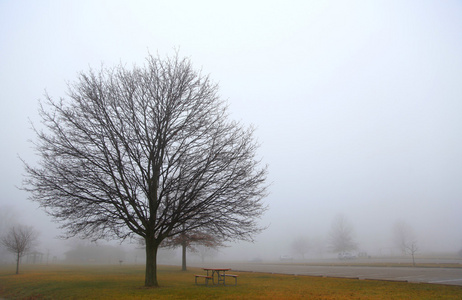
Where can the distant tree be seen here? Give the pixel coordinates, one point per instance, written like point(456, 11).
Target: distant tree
point(341, 235)
point(84, 252)
point(318, 245)
point(204, 251)
point(405, 239)
point(8, 217)
point(19, 240)
point(189, 240)
point(301, 246)
point(143, 152)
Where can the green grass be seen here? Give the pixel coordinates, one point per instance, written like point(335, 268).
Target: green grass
point(126, 282)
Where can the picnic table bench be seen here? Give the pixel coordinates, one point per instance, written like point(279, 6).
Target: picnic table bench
point(221, 276)
point(233, 276)
point(207, 278)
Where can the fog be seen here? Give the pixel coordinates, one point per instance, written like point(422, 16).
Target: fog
point(357, 105)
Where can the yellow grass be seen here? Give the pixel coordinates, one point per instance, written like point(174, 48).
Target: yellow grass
point(126, 282)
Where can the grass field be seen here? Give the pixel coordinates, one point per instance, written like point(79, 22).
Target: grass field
point(126, 282)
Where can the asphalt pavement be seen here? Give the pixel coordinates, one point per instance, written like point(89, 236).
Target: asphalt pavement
point(436, 275)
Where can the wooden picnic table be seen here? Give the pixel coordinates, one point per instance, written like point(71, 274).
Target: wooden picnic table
point(220, 273)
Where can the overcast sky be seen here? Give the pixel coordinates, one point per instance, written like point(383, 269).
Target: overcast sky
point(357, 104)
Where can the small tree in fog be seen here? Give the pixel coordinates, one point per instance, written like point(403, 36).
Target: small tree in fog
point(404, 237)
point(189, 240)
point(318, 246)
point(341, 235)
point(19, 240)
point(204, 251)
point(301, 246)
point(8, 219)
point(142, 152)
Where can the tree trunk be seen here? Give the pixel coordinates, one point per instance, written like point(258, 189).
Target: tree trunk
point(183, 257)
point(17, 264)
point(151, 263)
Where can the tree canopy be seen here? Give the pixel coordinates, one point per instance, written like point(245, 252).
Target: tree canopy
point(341, 235)
point(144, 151)
point(190, 241)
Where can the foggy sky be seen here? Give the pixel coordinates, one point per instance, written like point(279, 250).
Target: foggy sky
point(357, 104)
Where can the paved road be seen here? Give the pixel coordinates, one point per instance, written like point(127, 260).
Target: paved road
point(452, 276)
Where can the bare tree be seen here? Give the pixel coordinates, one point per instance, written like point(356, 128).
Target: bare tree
point(143, 152)
point(8, 217)
point(19, 240)
point(204, 251)
point(405, 239)
point(189, 240)
point(341, 235)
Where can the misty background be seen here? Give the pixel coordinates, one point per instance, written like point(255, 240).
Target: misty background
point(357, 105)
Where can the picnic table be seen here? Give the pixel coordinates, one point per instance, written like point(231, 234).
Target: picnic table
point(220, 274)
